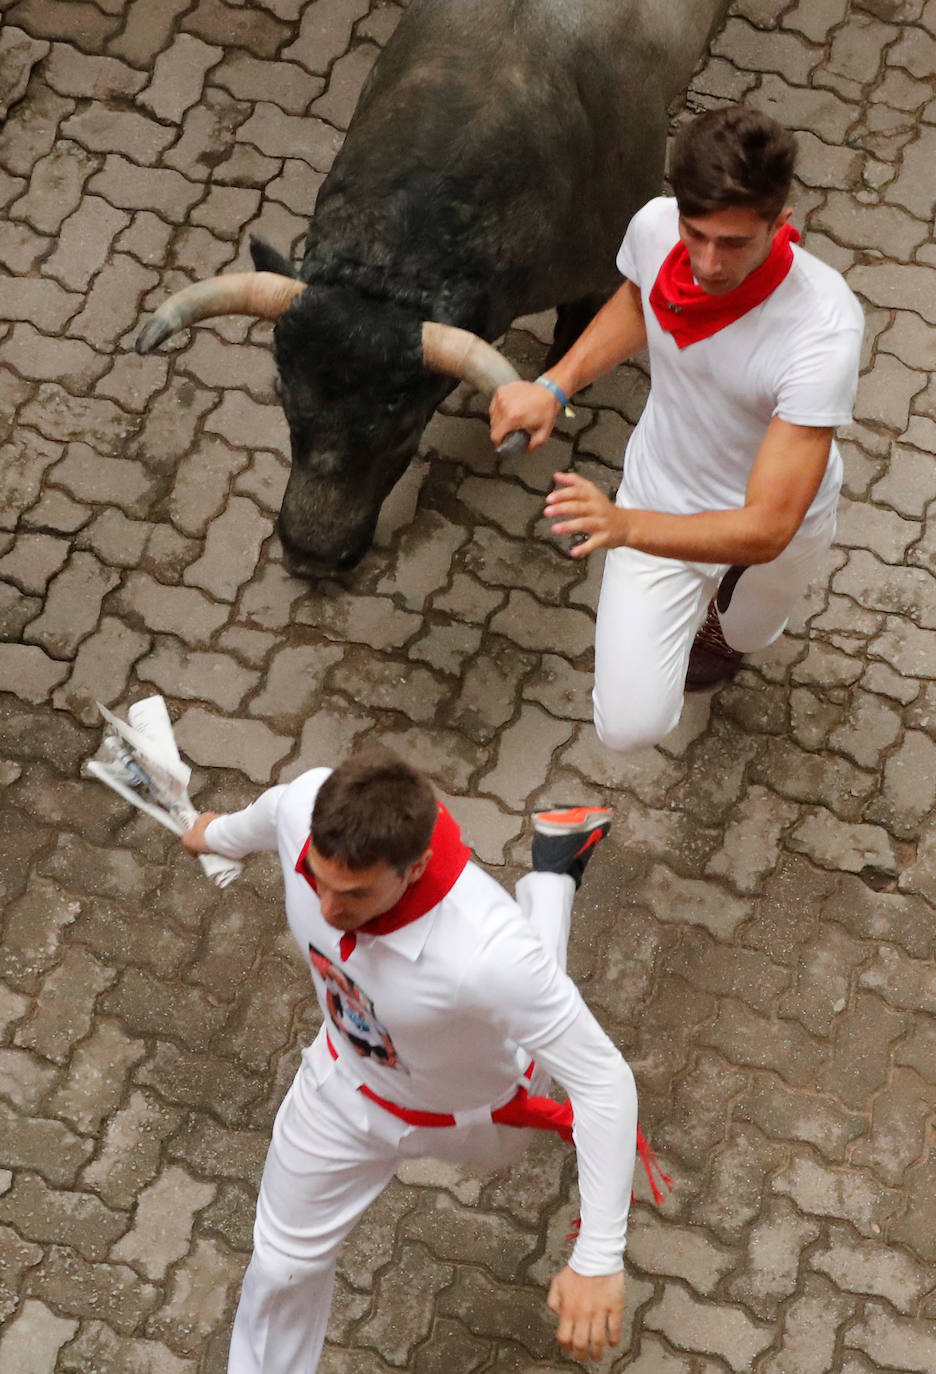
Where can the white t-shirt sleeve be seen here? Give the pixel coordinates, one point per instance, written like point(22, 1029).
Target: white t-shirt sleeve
point(517, 985)
point(819, 382)
point(642, 233)
point(245, 832)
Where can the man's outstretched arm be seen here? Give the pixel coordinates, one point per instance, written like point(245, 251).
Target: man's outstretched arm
point(616, 332)
point(238, 833)
point(786, 475)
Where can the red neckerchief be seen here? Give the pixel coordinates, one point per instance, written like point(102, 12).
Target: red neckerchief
point(449, 857)
point(687, 312)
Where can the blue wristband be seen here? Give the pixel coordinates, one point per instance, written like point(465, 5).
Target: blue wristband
point(554, 387)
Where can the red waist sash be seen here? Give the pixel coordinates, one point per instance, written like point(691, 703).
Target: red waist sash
point(538, 1113)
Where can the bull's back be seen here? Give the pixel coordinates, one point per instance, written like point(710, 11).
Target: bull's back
point(521, 132)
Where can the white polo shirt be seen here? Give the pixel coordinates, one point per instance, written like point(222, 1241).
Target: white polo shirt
point(444, 1014)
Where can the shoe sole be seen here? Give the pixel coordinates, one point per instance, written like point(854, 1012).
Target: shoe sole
point(580, 820)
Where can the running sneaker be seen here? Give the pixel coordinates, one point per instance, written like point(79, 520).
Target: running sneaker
point(563, 841)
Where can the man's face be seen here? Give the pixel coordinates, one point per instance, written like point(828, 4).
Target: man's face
point(727, 245)
point(350, 897)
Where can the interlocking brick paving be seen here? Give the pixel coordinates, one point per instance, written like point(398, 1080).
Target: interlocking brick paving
point(757, 933)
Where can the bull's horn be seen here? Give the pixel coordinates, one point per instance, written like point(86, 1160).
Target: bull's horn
point(263, 294)
point(459, 353)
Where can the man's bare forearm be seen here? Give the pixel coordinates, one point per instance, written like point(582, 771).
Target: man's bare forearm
point(725, 536)
point(617, 332)
point(753, 534)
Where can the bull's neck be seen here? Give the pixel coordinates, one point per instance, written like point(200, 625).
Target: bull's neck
point(413, 243)
point(454, 300)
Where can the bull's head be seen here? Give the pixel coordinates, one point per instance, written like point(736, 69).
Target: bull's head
point(359, 379)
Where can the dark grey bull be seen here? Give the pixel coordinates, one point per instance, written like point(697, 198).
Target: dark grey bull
point(496, 155)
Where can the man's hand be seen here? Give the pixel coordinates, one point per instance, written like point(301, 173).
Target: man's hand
point(523, 405)
point(589, 1311)
point(583, 509)
point(193, 841)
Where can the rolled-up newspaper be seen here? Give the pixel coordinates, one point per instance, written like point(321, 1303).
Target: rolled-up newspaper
point(145, 768)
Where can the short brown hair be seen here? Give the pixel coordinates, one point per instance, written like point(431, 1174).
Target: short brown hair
point(374, 808)
point(734, 156)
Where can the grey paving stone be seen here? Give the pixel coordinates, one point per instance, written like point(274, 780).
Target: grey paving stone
point(182, 611)
point(80, 1288)
point(425, 558)
point(895, 1143)
point(670, 897)
point(885, 1337)
point(46, 1214)
point(115, 538)
point(277, 134)
point(719, 1330)
point(296, 186)
point(32, 1341)
point(97, 1079)
point(232, 549)
point(788, 1113)
point(163, 1222)
point(211, 677)
point(70, 72)
point(294, 680)
point(841, 845)
point(48, 1147)
point(201, 1295)
point(30, 129)
point(19, 53)
point(345, 81)
point(111, 306)
point(178, 76)
point(97, 1347)
point(248, 745)
point(817, 1190)
point(63, 1011)
point(388, 685)
point(207, 132)
point(811, 1329)
point(129, 187)
point(775, 1003)
point(30, 672)
point(324, 33)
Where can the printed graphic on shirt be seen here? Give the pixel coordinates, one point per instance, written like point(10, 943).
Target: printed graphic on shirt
point(352, 1013)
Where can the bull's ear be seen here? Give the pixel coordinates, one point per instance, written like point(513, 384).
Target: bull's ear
point(266, 259)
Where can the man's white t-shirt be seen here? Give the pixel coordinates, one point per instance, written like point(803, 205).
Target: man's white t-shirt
point(795, 356)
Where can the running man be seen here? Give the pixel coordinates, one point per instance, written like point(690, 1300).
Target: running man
point(731, 478)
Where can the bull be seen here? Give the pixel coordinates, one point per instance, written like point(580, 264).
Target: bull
point(496, 154)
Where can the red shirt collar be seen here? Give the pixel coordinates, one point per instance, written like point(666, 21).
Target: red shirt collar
point(687, 312)
point(448, 859)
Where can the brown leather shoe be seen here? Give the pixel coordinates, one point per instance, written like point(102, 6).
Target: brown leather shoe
point(711, 658)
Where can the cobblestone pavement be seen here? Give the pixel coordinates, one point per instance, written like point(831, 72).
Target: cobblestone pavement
point(757, 934)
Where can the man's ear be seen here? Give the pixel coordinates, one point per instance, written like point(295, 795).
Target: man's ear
point(416, 870)
point(783, 218)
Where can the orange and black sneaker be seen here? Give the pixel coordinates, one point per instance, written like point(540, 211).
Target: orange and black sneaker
point(563, 841)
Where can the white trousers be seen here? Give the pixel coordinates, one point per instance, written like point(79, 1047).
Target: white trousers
point(648, 613)
point(331, 1154)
